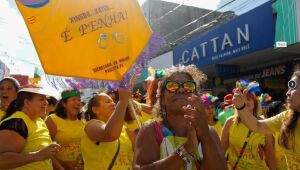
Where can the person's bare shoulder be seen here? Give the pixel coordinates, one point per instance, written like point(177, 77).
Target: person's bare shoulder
point(146, 142)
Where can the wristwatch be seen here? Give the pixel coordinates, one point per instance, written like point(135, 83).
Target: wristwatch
point(184, 155)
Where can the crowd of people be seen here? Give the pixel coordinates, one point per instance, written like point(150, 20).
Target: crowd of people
point(179, 126)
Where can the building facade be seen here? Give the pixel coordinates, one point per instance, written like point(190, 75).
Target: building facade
point(177, 23)
point(256, 45)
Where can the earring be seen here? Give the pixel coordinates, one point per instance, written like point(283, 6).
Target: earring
point(163, 111)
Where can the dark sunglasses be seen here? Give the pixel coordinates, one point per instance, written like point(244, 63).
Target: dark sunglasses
point(188, 86)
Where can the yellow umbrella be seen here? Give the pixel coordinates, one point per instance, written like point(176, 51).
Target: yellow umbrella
point(97, 39)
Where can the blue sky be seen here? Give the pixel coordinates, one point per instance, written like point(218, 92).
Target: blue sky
point(16, 47)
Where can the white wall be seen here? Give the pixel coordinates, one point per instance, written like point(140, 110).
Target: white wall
point(162, 61)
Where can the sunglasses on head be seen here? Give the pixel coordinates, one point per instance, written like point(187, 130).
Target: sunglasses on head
point(188, 86)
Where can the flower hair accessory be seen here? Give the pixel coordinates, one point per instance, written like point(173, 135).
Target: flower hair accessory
point(159, 73)
point(208, 99)
point(137, 96)
point(252, 87)
point(155, 73)
point(265, 99)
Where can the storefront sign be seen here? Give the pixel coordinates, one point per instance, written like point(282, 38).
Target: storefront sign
point(274, 71)
point(225, 69)
point(247, 33)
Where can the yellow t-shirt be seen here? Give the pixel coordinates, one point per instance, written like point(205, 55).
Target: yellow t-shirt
point(38, 138)
point(218, 128)
point(2, 114)
point(253, 156)
point(292, 156)
point(279, 155)
point(132, 126)
point(99, 156)
point(145, 117)
point(68, 136)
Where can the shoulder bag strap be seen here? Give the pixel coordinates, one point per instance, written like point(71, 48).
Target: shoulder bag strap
point(115, 157)
point(242, 150)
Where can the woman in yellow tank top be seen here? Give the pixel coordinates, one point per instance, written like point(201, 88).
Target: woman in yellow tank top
point(65, 128)
point(286, 124)
point(105, 144)
point(25, 142)
point(245, 149)
point(8, 92)
point(255, 154)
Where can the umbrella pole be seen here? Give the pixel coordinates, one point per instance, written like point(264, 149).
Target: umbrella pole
point(134, 113)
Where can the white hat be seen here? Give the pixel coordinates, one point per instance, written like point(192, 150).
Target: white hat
point(35, 89)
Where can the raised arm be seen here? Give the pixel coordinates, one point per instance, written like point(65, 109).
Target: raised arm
point(112, 129)
point(239, 101)
point(146, 108)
